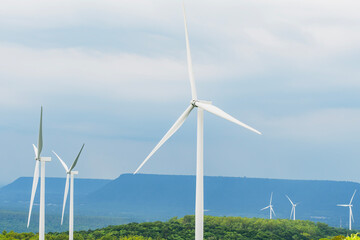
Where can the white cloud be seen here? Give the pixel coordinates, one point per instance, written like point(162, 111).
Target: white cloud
point(300, 47)
point(322, 126)
point(237, 38)
point(120, 76)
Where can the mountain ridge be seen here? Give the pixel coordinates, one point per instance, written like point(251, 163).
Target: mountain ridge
point(151, 197)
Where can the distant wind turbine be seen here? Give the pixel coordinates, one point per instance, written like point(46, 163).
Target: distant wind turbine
point(270, 207)
point(201, 106)
point(42, 160)
point(69, 173)
point(351, 217)
point(292, 214)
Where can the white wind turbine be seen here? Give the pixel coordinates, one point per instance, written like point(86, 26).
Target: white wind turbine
point(270, 207)
point(201, 106)
point(42, 160)
point(69, 173)
point(351, 217)
point(293, 207)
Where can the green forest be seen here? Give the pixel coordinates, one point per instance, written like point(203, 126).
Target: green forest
point(216, 228)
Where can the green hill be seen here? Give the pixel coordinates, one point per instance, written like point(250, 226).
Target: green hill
point(216, 228)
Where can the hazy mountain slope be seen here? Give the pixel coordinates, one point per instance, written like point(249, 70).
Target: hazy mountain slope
point(163, 196)
point(16, 195)
point(147, 197)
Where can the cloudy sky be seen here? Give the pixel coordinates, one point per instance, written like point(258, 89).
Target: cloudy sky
point(113, 74)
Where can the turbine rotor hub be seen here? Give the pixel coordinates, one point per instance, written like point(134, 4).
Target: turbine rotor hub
point(193, 102)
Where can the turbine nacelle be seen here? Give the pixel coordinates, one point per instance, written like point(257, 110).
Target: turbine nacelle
point(43, 159)
point(194, 102)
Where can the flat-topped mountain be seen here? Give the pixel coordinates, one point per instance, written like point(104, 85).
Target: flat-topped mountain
point(148, 197)
point(16, 195)
point(171, 195)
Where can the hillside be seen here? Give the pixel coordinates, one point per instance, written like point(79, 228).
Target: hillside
point(16, 195)
point(15, 200)
point(147, 197)
point(216, 228)
point(163, 196)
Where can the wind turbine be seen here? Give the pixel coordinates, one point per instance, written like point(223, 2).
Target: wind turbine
point(270, 207)
point(293, 208)
point(201, 106)
point(69, 173)
point(41, 160)
point(351, 217)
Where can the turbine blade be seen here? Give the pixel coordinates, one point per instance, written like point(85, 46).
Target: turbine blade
point(352, 197)
point(65, 197)
point(292, 210)
point(40, 141)
point(273, 211)
point(289, 200)
point(62, 162)
point(264, 208)
point(36, 151)
point(189, 62)
point(77, 158)
point(351, 213)
point(171, 131)
point(342, 205)
point(33, 191)
point(271, 198)
point(217, 111)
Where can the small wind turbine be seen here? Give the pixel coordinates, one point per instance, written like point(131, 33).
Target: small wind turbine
point(71, 173)
point(293, 207)
point(201, 106)
point(42, 160)
point(351, 217)
point(270, 207)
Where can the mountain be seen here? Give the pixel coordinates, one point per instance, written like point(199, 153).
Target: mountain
point(149, 197)
point(16, 195)
point(163, 196)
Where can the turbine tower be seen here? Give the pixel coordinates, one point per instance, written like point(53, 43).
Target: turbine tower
point(201, 106)
point(351, 217)
point(270, 207)
point(41, 160)
point(292, 214)
point(69, 173)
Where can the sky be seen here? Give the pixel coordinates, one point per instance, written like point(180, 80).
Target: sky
point(113, 75)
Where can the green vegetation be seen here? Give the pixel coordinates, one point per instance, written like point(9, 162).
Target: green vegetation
point(31, 236)
point(216, 228)
point(341, 237)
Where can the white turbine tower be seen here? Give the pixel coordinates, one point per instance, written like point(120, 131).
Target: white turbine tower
point(351, 217)
point(201, 106)
point(69, 173)
point(292, 214)
point(42, 161)
point(270, 207)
